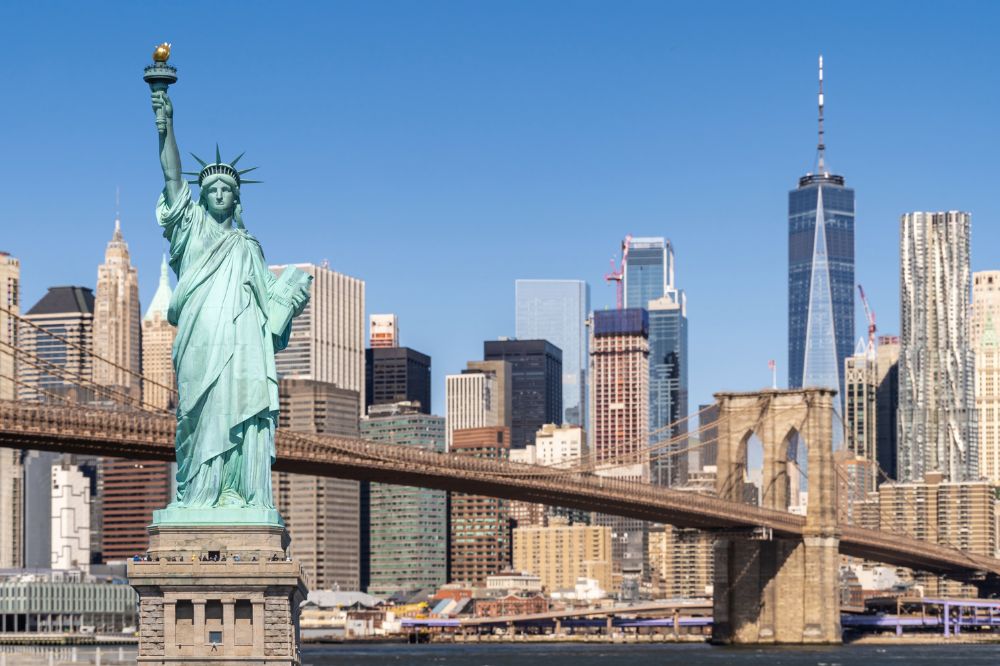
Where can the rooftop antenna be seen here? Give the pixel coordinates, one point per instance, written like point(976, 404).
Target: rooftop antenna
point(821, 147)
point(118, 215)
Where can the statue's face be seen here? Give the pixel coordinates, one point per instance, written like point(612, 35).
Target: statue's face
point(219, 197)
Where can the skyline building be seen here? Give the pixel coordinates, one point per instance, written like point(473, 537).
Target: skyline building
point(937, 419)
point(327, 343)
point(559, 446)
point(383, 331)
point(70, 526)
point(557, 311)
point(986, 347)
point(47, 365)
point(11, 469)
point(861, 414)
point(118, 320)
point(397, 374)
point(326, 515)
point(820, 274)
point(535, 384)
point(648, 274)
point(560, 554)
point(408, 547)
point(479, 525)
point(157, 346)
point(480, 397)
point(887, 406)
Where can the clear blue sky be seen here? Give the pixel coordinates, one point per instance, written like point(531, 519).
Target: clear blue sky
point(441, 150)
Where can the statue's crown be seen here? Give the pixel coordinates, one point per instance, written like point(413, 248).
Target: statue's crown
point(220, 167)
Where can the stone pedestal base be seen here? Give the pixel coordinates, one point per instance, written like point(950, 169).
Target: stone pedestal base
point(219, 595)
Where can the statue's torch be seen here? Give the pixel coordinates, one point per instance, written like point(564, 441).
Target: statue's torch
point(159, 76)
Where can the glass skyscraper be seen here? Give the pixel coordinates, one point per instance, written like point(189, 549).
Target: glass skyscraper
point(649, 284)
point(556, 310)
point(820, 281)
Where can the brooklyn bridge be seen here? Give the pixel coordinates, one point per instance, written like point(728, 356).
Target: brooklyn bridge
point(776, 572)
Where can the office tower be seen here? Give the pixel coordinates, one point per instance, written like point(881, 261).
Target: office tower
point(886, 405)
point(861, 412)
point(937, 420)
point(11, 469)
point(985, 303)
point(619, 417)
point(480, 525)
point(327, 343)
point(560, 447)
point(668, 388)
point(681, 562)
point(383, 331)
point(619, 396)
point(52, 368)
point(561, 554)
point(479, 397)
point(130, 491)
point(820, 274)
point(117, 320)
point(70, 517)
point(397, 374)
point(961, 515)
point(157, 345)
point(557, 311)
point(324, 514)
point(986, 347)
point(536, 384)
point(708, 439)
point(408, 547)
point(133, 489)
point(649, 284)
point(988, 401)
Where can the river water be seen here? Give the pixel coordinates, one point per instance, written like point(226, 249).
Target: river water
point(568, 654)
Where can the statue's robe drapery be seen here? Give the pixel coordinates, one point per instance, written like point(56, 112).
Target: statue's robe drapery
point(224, 359)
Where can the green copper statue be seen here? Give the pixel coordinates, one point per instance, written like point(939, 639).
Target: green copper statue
point(231, 315)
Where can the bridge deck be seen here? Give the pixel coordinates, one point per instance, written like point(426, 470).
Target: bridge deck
point(139, 435)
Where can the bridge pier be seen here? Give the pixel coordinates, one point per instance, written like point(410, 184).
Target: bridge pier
point(778, 589)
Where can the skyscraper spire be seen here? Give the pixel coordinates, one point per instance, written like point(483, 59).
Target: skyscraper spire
point(118, 217)
point(821, 147)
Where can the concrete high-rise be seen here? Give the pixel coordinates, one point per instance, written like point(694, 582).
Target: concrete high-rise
point(619, 417)
point(52, 368)
point(536, 384)
point(397, 374)
point(681, 562)
point(562, 447)
point(561, 553)
point(986, 347)
point(327, 342)
point(408, 547)
point(11, 469)
point(886, 405)
point(480, 397)
point(117, 320)
point(820, 274)
point(324, 514)
point(157, 346)
point(557, 311)
point(480, 525)
point(861, 412)
point(383, 331)
point(70, 518)
point(937, 420)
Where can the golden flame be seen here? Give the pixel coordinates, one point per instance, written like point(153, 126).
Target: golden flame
point(162, 52)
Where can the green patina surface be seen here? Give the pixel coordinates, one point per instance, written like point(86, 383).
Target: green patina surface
point(232, 314)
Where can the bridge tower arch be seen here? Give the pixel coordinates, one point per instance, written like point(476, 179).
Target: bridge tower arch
point(778, 588)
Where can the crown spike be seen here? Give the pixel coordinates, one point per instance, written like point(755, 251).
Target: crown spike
point(202, 162)
point(237, 158)
point(247, 170)
point(249, 182)
point(218, 155)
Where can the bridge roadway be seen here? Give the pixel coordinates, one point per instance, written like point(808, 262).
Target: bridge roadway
point(146, 436)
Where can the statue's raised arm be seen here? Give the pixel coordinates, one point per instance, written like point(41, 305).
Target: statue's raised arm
point(170, 158)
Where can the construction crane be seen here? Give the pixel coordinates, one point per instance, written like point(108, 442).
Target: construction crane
point(618, 274)
point(870, 315)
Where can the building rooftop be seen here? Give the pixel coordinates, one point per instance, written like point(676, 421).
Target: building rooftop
point(65, 299)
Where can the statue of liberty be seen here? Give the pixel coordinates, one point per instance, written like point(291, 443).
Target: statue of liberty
point(231, 315)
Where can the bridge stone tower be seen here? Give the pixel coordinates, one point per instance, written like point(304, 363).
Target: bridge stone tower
point(780, 588)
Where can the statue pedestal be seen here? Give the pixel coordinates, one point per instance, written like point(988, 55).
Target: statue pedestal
point(196, 608)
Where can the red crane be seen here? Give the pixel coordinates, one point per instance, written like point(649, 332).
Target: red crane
point(618, 274)
point(870, 315)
